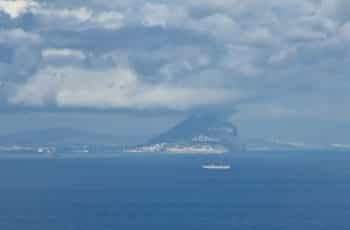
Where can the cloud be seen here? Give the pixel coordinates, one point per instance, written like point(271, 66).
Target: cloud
point(251, 111)
point(78, 15)
point(52, 16)
point(110, 20)
point(220, 26)
point(345, 31)
point(336, 9)
point(54, 53)
point(282, 55)
point(63, 57)
point(180, 53)
point(115, 88)
point(160, 15)
point(78, 18)
point(15, 8)
point(241, 59)
point(259, 36)
point(302, 34)
point(26, 60)
point(219, 4)
point(24, 55)
point(18, 36)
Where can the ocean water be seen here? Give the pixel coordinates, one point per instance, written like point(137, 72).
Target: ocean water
point(265, 191)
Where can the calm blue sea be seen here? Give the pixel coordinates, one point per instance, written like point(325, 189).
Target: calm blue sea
point(265, 191)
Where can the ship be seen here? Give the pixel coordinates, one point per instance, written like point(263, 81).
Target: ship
point(216, 166)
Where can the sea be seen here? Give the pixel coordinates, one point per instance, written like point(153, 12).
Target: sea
point(262, 190)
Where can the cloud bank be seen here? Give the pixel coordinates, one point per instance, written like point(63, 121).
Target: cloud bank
point(118, 87)
point(288, 57)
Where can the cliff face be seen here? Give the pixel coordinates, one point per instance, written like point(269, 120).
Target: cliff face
point(200, 133)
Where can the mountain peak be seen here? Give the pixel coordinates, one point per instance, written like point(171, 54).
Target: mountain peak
point(203, 131)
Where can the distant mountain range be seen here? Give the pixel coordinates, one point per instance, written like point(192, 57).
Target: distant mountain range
point(68, 136)
point(282, 145)
point(201, 133)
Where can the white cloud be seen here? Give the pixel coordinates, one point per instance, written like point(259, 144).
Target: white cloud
point(75, 18)
point(118, 88)
point(109, 20)
point(163, 15)
point(79, 15)
point(63, 53)
point(15, 8)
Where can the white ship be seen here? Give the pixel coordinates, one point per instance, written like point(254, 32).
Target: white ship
point(217, 167)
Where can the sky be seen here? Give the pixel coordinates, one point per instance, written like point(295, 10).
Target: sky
point(280, 67)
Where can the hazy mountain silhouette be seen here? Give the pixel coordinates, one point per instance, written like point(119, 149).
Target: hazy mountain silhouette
point(67, 136)
point(201, 129)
